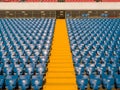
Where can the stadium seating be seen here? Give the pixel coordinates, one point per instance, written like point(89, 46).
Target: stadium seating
point(95, 45)
point(24, 52)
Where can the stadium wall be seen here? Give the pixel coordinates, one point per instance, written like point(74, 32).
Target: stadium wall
point(58, 10)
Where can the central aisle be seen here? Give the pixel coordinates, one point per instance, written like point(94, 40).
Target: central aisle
point(61, 74)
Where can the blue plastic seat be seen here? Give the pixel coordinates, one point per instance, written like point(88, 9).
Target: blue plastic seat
point(77, 59)
point(82, 81)
point(111, 68)
point(90, 69)
point(24, 82)
point(43, 59)
point(37, 82)
point(45, 52)
point(18, 69)
point(85, 60)
point(80, 69)
point(8, 70)
point(108, 81)
point(34, 59)
point(29, 70)
point(101, 69)
point(95, 81)
point(11, 82)
point(24, 59)
point(40, 69)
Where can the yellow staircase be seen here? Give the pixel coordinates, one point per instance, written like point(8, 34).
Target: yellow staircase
point(60, 75)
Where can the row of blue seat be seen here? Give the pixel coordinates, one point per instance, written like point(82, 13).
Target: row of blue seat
point(23, 69)
point(24, 52)
point(95, 81)
point(95, 45)
point(98, 69)
point(23, 82)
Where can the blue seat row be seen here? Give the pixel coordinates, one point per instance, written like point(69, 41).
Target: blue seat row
point(23, 69)
point(24, 52)
point(95, 46)
point(95, 81)
point(23, 82)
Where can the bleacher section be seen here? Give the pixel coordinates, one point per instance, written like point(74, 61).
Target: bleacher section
point(24, 52)
point(95, 45)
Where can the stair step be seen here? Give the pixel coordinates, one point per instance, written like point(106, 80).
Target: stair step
point(61, 80)
point(60, 87)
point(52, 69)
point(60, 74)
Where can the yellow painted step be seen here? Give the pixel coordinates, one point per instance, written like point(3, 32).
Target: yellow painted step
point(60, 56)
point(61, 81)
point(60, 87)
point(58, 65)
point(60, 69)
point(61, 61)
point(61, 73)
point(61, 64)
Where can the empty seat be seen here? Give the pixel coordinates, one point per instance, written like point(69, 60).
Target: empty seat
point(40, 69)
point(95, 81)
point(108, 81)
point(80, 69)
point(30, 69)
point(8, 71)
point(37, 82)
point(11, 82)
point(82, 81)
point(24, 82)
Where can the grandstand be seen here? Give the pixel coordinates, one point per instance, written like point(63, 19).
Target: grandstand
point(60, 44)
